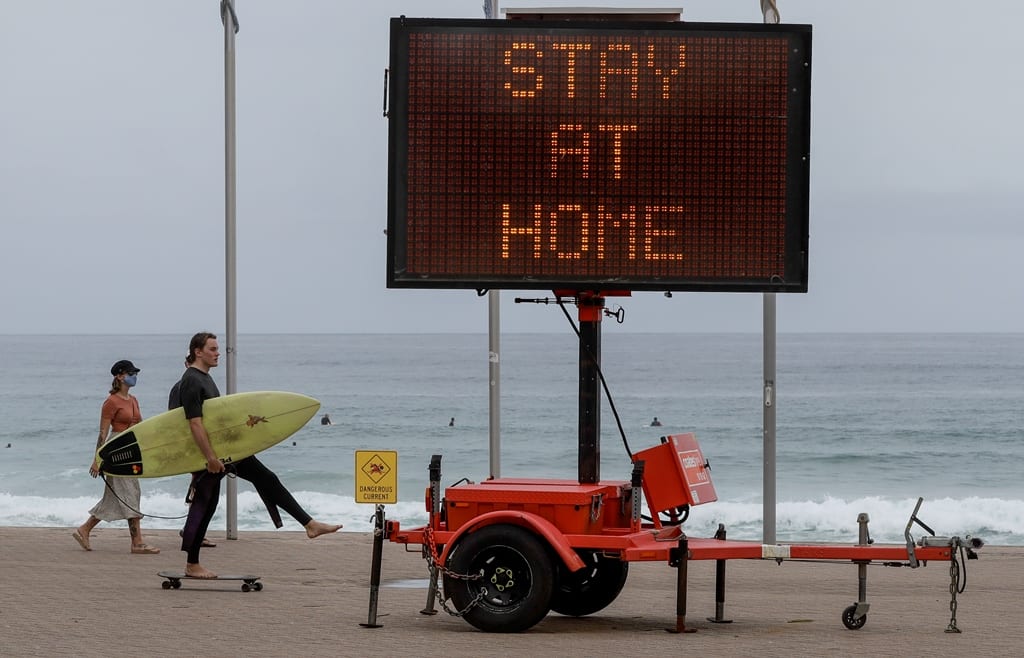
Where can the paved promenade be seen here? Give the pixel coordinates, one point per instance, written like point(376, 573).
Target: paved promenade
point(58, 600)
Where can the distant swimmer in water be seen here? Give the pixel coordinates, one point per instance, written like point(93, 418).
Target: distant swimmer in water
point(655, 422)
point(326, 420)
point(451, 423)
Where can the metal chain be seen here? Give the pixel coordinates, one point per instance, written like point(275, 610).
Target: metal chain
point(469, 606)
point(954, 586)
point(430, 551)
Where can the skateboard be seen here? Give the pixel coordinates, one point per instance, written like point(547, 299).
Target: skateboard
point(174, 578)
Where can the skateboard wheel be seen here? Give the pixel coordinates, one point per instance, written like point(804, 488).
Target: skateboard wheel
point(177, 584)
point(257, 586)
point(245, 587)
point(166, 584)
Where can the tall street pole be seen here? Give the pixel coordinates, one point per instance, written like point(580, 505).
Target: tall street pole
point(494, 345)
point(230, 21)
point(770, 12)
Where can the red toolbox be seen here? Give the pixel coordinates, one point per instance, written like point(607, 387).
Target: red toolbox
point(572, 507)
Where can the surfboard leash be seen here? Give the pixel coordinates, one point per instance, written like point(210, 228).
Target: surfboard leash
point(229, 470)
point(139, 512)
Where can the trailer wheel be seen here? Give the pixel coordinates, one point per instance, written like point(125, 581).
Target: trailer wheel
point(851, 622)
point(516, 577)
point(590, 589)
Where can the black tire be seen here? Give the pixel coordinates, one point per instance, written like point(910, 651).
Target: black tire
point(590, 589)
point(517, 576)
point(851, 622)
point(166, 584)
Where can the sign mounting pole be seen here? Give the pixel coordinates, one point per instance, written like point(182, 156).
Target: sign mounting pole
point(494, 345)
point(769, 493)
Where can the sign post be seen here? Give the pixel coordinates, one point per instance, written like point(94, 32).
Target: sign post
point(376, 482)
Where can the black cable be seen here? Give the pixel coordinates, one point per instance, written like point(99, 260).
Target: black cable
point(139, 512)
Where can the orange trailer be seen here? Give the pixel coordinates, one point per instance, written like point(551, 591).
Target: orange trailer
point(510, 550)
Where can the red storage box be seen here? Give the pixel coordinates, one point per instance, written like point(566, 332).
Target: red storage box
point(676, 474)
point(572, 507)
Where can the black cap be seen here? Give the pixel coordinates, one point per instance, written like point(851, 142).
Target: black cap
point(125, 366)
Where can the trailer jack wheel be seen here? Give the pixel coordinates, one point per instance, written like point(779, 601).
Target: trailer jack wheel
point(506, 585)
point(851, 620)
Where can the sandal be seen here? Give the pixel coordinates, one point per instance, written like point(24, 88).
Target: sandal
point(145, 549)
point(83, 540)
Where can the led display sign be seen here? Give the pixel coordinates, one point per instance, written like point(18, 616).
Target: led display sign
point(598, 155)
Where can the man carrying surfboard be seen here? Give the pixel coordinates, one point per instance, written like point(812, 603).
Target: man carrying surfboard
point(196, 385)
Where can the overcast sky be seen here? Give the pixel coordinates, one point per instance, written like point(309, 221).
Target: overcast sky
point(112, 171)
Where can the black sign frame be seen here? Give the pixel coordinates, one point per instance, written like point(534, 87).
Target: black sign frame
point(778, 264)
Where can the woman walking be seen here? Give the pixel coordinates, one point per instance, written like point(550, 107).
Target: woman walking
point(121, 495)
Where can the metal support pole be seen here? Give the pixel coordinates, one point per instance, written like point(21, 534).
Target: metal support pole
point(378, 548)
point(681, 563)
point(591, 308)
point(636, 484)
point(863, 539)
point(719, 617)
point(494, 373)
point(769, 419)
point(491, 10)
point(230, 21)
point(435, 511)
point(770, 15)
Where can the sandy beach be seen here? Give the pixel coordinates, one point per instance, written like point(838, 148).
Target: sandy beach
point(61, 600)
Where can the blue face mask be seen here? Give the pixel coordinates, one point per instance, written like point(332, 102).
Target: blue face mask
point(130, 380)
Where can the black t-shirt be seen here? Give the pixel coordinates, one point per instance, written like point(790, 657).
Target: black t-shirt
point(190, 391)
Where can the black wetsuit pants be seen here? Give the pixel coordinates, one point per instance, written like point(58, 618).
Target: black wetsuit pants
point(206, 493)
point(270, 490)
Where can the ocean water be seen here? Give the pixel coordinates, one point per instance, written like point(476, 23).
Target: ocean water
point(865, 423)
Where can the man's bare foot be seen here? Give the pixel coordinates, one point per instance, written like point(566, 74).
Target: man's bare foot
point(316, 528)
point(198, 571)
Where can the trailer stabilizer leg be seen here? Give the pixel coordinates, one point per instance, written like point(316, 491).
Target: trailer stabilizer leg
point(719, 617)
point(435, 511)
point(431, 593)
point(856, 615)
point(679, 558)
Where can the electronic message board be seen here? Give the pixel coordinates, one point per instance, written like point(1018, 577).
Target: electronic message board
point(598, 155)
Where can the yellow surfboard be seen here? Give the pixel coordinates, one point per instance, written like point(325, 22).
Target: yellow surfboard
point(239, 425)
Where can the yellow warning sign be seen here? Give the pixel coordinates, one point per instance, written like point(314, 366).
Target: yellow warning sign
point(376, 476)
